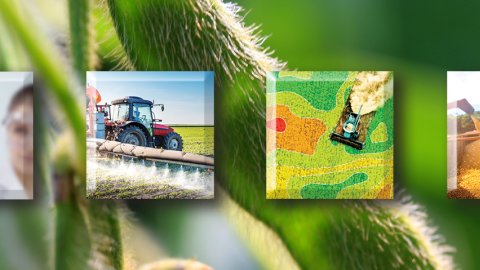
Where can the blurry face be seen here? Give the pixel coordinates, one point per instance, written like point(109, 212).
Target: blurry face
point(19, 128)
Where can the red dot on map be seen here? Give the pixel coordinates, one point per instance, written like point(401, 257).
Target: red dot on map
point(277, 124)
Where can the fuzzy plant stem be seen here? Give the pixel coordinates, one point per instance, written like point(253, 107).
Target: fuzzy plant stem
point(79, 36)
point(72, 242)
point(103, 216)
point(106, 233)
point(12, 58)
point(45, 61)
point(391, 234)
point(210, 35)
point(42, 142)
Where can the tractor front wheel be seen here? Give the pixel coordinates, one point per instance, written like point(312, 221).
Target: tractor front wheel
point(132, 135)
point(173, 141)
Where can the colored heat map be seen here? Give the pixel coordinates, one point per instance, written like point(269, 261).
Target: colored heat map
point(302, 162)
point(310, 130)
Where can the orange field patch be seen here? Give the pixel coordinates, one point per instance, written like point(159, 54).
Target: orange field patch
point(385, 192)
point(300, 135)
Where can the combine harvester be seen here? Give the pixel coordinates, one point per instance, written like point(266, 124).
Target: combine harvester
point(466, 137)
point(462, 149)
point(350, 134)
point(128, 127)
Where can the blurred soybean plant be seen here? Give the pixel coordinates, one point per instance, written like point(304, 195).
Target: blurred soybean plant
point(178, 35)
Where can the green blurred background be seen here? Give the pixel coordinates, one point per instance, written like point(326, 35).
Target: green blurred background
point(420, 41)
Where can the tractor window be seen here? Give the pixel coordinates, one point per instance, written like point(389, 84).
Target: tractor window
point(143, 113)
point(120, 112)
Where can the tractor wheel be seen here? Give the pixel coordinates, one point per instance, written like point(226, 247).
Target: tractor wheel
point(132, 135)
point(173, 141)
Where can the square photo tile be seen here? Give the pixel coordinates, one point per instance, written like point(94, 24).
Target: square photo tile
point(16, 136)
point(463, 135)
point(150, 135)
point(330, 135)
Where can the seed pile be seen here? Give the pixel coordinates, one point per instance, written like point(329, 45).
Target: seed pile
point(468, 185)
point(471, 156)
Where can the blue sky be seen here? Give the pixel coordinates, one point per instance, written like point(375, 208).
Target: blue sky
point(187, 95)
point(463, 84)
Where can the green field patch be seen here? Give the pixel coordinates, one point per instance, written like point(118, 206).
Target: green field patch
point(197, 139)
point(379, 134)
point(338, 153)
point(361, 189)
point(322, 191)
point(296, 74)
point(297, 183)
point(320, 90)
point(383, 115)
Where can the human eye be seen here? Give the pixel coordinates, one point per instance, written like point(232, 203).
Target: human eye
point(20, 130)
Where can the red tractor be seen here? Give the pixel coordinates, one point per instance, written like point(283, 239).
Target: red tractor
point(131, 120)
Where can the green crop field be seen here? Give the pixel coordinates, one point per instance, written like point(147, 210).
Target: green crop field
point(138, 179)
point(133, 179)
point(197, 140)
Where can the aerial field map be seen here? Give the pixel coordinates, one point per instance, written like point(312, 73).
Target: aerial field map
point(330, 135)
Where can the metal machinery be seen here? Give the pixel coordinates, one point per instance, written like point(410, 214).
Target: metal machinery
point(350, 134)
point(129, 120)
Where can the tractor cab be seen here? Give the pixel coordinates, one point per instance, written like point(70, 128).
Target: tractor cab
point(130, 109)
point(133, 121)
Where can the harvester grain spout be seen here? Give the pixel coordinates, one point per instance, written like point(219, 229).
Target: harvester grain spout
point(465, 106)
